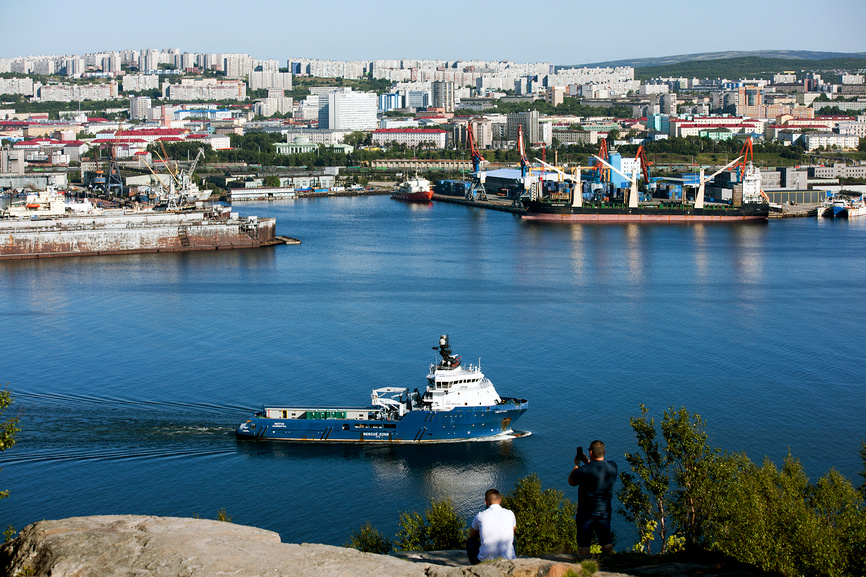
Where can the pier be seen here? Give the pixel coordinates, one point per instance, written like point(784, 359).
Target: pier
point(495, 203)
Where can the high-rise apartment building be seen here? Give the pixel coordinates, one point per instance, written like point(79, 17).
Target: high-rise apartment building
point(348, 110)
point(138, 107)
point(529, 121)
point(443, 95)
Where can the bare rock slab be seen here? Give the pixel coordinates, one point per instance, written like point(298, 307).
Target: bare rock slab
point(141, 546)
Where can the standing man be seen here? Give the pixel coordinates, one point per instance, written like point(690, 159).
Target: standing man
point(492, 532)
point(595, 479)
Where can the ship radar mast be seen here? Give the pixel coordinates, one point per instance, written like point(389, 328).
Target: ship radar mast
point(449, 361)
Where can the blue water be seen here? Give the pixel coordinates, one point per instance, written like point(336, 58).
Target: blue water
point(130, 373)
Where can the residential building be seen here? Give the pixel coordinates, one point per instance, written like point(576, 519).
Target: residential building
point(206, 89)
point(554, 95)
point(411, 137)
point(348, 110)
point(443, 95)
point(278, 80)
point(482, 131)
point(529, 121)
point(77, 92)
point(22, 86)
point(138, 107)
point(813, 141)
point(140, 82)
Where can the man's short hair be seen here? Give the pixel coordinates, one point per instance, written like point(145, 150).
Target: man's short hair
point(492, 496)
point(597, 448)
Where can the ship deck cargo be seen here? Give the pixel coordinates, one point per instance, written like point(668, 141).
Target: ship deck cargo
point(120, 232)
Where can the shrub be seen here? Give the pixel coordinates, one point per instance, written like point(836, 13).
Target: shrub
point(776, 520)
point(369, 540)
point(545, 518)
point(440, 528)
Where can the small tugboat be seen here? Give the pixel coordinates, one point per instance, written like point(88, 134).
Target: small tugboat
point(459, 404)
point(413, 190)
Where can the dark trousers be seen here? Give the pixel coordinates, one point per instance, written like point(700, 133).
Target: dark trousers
point(473, 547)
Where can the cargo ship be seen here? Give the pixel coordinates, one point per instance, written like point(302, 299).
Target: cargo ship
point(458, 404)
point(48, 227)
point(749, 203)
point(413, 190)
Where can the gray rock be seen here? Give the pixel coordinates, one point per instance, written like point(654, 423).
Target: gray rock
point(137, 546)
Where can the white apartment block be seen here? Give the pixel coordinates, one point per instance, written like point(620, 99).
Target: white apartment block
point(279, 80)
point(140, 82)
point(852, 79)
point(852, 128)
point(148, 60)
point(320, 136)
point(308, 108)
point(69, 93)
point(348, 110)
point(237, 65)
point(138, 107)
point(16, 86)
point(206, 89)
point(411, 137)
point(816, 140)
point(272, 105)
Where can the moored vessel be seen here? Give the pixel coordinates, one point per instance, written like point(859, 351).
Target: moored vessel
point(748, 203)
point(127, 232)
point(843, 206)
point(458, 404)
point(415, 189)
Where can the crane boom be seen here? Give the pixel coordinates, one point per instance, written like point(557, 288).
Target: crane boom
point(699, 197)
point(477, 159)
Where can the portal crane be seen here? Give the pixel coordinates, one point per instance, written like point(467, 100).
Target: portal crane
point(476, 182)
point(477, 159)
point(644, 163)
point(748, 155)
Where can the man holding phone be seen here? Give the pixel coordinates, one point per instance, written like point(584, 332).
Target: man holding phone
point(595, 478)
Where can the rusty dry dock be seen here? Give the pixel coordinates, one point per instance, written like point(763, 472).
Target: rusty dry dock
point(121, 232)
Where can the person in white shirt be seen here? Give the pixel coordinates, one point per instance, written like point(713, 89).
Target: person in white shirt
point(492, 533)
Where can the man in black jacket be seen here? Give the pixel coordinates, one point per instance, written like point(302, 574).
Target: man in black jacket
point(595, 479)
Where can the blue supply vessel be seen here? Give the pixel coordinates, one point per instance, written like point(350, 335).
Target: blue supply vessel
point(459, 404)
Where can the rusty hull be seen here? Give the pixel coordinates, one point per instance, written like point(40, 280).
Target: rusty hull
point(132, 233)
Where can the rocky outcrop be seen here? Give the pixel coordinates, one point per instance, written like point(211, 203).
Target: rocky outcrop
point(133, 546)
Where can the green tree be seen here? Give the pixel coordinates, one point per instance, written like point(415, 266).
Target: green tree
point(271, 181)
point(439, 528)
point(369, 540)
point(8, 428)
point(545, 518)
point(643, 493)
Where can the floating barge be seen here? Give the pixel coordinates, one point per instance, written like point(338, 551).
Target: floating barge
point(121, 232)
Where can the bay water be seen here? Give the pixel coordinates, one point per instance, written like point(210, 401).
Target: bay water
point(130, 373)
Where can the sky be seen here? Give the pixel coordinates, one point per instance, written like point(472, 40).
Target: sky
point(555, 31)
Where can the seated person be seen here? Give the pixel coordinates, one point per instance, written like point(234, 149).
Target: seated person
point(492, 533)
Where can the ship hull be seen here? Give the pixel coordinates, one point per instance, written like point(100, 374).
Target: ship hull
point(536, 210)
point(459, 424)
point(130, 234)
point(425, 196)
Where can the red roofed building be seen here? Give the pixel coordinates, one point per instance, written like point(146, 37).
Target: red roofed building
point(411, 137)
point(150, 135)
